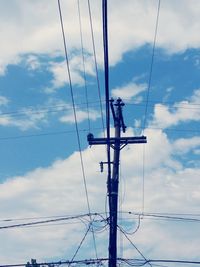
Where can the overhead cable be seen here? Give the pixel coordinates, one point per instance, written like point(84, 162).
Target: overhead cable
point(96, 67)
point(151, 64)
point(101, 261)
point(141, 254)
point(146, 107)
point(75, 116)
point(50, 221)
point(83, 63)
point(82, 240)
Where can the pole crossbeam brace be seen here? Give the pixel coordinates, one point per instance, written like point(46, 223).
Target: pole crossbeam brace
point(113, 140)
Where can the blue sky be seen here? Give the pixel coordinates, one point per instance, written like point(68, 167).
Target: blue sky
point(40, 172)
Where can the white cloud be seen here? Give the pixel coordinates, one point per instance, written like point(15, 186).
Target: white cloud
point(81, 116)
point(27, 119)
point(3, 101)
point(197, 151)
point(184, 145)
point(183, 111)
point(59, 190)
point(5, 120)
point(60, 74)
point(33, 26)
point(32, 62)
point(129, 91)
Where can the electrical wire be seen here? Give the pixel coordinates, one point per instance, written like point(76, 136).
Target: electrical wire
point(100, 261)
point(173, 261)
point(75, 117)
point(83, 63)
point(50, 221)
point(96, 67)
point(4, 138)
point(151, 64)
point(141, 254)
point(31, 110)
point(63, 262)
point(146, 107)
point(163, 216)
point(188, 217)
point(43, 134)
point(78, 248)
point(137, 227)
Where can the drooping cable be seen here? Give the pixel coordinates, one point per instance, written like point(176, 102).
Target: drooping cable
point(83, 63)
point(36, 223)
point(75, 118)
point(49, 221)
point(4, 138)
point(15, 137)
point(141, 254)
point(146, 106)
point(82, 240)
point(96, 67)
point(101, 261)
point(168, 216)
point(151, 64)
point(31, 110)
point(137, 227)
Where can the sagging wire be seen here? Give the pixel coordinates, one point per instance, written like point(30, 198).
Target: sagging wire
point(83, 62)
point(141, 254)
point(137, 227)
point(147, 100)
point(75, 118)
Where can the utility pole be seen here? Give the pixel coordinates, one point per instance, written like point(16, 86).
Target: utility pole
point(117, 143)
point(113, 195)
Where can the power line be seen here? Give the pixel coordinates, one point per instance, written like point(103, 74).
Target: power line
point(168, 216)
point(146, 107)
point(82, 240)
point(170, 129)
point(5, 138)
point(63, 262)
point(75, 116)
point(137, 227)
point(176, 216)
point(173, 261)
point(50, 221)
point(43, 134)
point(141, 254)
point(31, 110)
point(101, 261)
point(96, 68)
point(151, 65)
point(83, 62)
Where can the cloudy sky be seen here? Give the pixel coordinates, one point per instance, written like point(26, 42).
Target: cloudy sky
point(40, 168)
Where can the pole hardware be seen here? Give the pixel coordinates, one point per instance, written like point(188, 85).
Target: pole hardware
point(117, 143)
point(102, 164)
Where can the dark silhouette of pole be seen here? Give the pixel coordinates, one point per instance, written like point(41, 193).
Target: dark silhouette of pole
point(113, 194)
point(117, 143)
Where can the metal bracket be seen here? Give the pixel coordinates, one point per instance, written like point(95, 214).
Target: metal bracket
point(102, 163)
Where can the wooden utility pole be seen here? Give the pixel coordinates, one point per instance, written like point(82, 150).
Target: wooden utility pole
point(117, 143)
point(113, 194)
